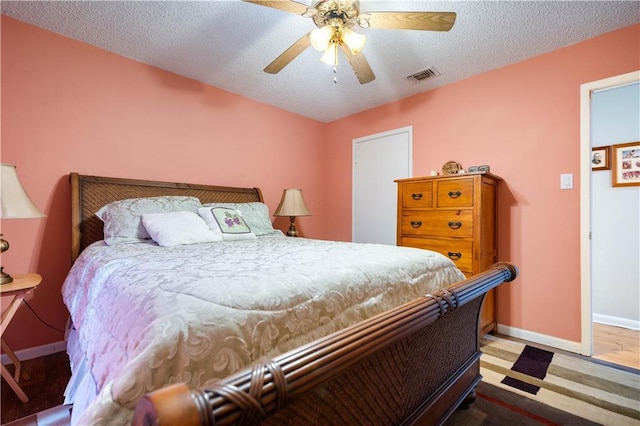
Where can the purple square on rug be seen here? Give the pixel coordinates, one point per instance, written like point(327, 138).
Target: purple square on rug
point(533, 362)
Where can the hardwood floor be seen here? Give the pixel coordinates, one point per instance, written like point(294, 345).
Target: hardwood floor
point(616, 345)
point(45, 378)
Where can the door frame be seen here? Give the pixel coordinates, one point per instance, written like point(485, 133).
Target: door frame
point(586, 90)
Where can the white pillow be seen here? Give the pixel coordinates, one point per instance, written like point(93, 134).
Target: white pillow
point(226, 222)
point(174, 228)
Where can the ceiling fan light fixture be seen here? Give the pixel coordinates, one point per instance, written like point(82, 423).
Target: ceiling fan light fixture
point(353, 40)
point(334, 20)
point(330, 55)
point(321, 37)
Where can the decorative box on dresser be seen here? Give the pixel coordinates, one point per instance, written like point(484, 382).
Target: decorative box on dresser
point(454, 215)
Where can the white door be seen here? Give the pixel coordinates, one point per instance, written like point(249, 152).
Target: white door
point(377, 161)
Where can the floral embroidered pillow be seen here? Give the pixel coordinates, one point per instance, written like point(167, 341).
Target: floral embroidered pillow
point(227, 221)
point(255, 214)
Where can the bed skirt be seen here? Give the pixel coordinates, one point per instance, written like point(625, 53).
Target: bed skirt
point(81, 389)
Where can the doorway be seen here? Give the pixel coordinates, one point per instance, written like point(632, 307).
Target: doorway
point(377, 161)
point(588, 232)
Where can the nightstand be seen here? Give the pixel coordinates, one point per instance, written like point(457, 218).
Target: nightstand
point(18, 289)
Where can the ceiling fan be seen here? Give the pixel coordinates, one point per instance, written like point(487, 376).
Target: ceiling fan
point(335, 18)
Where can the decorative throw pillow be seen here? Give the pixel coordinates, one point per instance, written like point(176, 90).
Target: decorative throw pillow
point(174, 228)
point(255, 214)
point(226, 221)
point(122, 219)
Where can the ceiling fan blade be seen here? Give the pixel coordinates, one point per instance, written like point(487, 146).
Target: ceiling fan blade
point(285, 5)
point(426, 21)
point(360, 66)
point(288, 55)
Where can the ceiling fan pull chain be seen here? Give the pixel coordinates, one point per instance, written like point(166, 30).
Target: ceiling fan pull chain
point(335, 76)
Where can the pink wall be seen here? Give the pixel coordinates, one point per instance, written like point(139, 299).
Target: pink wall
point(524, 121)
point(67, 106)
point(70, 107)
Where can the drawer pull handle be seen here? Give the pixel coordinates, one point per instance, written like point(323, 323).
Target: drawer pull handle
point(455, 194)
point(416, 223)
point(416, 196)
point(454, 256)
point(455, 225)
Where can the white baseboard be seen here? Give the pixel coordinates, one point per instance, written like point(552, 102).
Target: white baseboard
point(616, 321)
point(38, 351)
point(542, 339)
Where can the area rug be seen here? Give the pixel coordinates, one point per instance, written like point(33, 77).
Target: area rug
point(573, 384)
point(533, 362)
point(497, 406)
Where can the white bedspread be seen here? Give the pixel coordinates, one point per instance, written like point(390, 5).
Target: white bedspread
point(149, 316)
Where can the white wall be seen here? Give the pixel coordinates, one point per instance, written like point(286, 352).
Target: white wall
point(615, 213)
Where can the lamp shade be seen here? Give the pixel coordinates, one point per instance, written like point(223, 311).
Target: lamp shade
point(292, 204)
point(330, 56)
point(354, 41)
point(320, 37)
point(14, 201)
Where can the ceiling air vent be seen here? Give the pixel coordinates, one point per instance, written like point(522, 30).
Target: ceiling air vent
point(423, 75)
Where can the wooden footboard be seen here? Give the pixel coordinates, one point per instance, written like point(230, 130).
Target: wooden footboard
point(414, 364)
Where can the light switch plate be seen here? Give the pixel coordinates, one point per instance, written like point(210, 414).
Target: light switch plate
point(566, 181)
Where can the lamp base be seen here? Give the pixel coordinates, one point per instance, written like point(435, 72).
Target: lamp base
point(4, 277)
point(292, 232)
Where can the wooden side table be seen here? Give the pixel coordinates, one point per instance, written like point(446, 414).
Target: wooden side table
point(18, 289)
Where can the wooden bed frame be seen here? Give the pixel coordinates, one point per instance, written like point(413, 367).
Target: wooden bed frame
point(414, 364)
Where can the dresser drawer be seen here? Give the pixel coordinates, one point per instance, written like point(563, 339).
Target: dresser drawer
point(439, 223)
point(455, 193)
point(417, 195)
point(461, 252)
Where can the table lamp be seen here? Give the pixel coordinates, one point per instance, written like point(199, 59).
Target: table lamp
point(292, 204)
point(14, 204)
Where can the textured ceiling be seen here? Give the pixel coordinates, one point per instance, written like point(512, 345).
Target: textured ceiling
point(228, 43)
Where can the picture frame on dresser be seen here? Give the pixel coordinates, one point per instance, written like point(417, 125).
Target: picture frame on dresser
point(600, 158)
point(626, 164)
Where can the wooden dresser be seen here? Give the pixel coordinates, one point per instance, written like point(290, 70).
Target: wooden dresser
point(454, 215)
